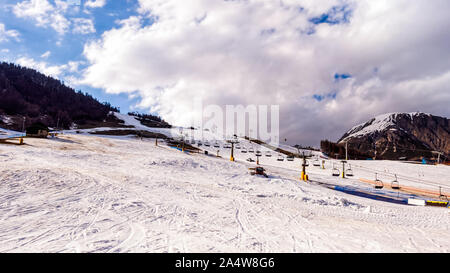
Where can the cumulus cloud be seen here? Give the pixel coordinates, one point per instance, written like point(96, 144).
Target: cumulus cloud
point(44, 13)
point(42, 66)
point(54, 15)
point(83, 26)
point(95, 3)
point(5, 34)
point(329, 65)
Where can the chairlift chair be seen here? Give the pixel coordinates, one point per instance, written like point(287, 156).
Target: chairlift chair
point(207, 144)
point(280, 158)
point(268, 154)
point(378, 183)
point(244, 150)
point(199, 143)
point(336, 172)
point(395, 184)
point(258, 153)
point(290, 158)
point(216, 145)
point(250, 150)
point(316, 163)
point(349, 171)
point(442, 196)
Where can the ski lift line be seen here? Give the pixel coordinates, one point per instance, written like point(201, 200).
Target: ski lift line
point(403, 177)
point(373, 195)
point(399, 176)
point(410, 190)
point(413, 190)
point(405, 189)
point(396, 186)
point(418, 150)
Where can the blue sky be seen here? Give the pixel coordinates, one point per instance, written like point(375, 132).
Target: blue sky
point(35, 40)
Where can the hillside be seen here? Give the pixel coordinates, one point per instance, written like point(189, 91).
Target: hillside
point(400, 135)
point(37, 97)
point(26, 93)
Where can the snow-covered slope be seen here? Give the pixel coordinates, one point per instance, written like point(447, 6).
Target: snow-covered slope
point(81, 193)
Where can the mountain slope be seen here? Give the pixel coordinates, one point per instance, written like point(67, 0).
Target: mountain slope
point(27, 96)
point(26, 93)
point(396, 135)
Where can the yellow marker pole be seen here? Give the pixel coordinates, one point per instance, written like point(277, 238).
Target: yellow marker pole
point(232, 152)
point(304, 176)
point(21, 141)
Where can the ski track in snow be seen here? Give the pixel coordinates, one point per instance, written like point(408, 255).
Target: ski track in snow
point(104, 194)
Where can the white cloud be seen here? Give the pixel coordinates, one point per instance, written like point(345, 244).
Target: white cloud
point(46, 55)
point(95, 3)
point(83, 26)
point(261, 52)
point(5, 34)
point(43, 67)
point(44, 13)
point(73, 66)
point(54, 15)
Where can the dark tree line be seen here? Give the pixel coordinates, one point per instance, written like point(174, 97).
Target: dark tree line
point(150, 120)
point(27, 93)
point(334, 150)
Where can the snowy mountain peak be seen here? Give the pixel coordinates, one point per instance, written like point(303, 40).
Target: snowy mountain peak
point(380, 123)
point(400, 135)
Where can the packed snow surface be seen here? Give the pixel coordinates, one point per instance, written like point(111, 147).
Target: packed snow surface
point(83, 193)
